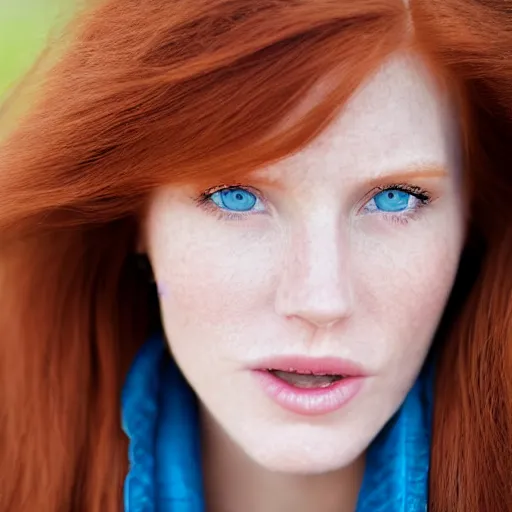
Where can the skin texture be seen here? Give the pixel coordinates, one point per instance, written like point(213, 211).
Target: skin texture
point(317, 271)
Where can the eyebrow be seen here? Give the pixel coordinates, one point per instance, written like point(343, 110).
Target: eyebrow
point(414, 172)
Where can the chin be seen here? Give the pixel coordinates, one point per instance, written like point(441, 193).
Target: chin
point(304, 460)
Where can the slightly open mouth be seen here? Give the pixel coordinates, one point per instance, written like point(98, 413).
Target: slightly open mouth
point(306, 380)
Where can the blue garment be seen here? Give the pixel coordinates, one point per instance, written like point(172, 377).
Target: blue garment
point(160, 418)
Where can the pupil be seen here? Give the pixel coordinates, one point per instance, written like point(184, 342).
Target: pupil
point(391, 195)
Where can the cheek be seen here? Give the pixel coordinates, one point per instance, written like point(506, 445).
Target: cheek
point(404, 285)
point(210, 275)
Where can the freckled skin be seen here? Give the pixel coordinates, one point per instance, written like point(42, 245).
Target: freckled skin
point(316, 275)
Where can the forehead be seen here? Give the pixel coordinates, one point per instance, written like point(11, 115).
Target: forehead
point(398, 118)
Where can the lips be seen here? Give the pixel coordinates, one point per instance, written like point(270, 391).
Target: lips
point(309, 385)
point(309, 366)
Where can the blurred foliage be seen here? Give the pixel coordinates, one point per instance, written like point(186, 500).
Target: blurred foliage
point(24, 28)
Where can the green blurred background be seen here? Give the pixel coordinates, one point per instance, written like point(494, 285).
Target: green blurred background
point(24, 28)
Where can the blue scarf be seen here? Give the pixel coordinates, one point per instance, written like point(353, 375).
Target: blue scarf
point(160, 418)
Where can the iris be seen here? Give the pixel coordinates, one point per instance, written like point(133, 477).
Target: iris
point(235, 199)
point(392, 200)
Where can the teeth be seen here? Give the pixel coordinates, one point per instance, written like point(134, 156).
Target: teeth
point(306, 380)
point(304, 372)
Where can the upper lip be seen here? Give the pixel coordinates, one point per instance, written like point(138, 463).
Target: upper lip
point(311, 365)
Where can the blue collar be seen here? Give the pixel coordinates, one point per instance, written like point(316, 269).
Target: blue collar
point(159, 415)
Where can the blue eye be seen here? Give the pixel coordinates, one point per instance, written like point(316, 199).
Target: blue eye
point(234, 199)
point(392, 200)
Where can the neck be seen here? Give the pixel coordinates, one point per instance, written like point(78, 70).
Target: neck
point(233, 482)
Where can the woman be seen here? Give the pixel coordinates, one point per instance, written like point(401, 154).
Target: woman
point(306, 204)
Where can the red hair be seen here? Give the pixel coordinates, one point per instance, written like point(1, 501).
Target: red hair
point(157, 92)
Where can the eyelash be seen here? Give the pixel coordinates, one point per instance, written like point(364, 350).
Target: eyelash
point(418, 192)
point(423, 196)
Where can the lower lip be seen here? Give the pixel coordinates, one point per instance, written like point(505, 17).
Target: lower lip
point(309, 401)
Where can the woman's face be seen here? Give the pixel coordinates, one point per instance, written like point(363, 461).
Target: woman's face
point(300, 304)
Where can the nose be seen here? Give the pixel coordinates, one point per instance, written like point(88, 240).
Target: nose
point(315, 284)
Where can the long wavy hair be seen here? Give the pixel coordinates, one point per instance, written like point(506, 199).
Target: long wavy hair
point(154, 92)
